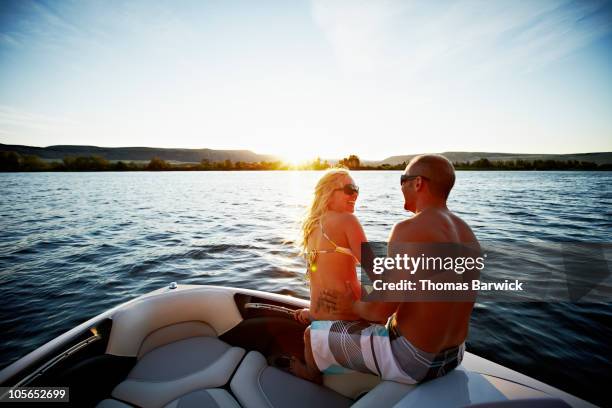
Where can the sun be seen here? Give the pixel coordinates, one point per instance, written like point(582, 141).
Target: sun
point(296, 157)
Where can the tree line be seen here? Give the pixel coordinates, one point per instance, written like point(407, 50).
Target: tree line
point(12, 161)
point(486, 164)
point(352, 162)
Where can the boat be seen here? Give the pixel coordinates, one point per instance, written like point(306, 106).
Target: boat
point(184, 346)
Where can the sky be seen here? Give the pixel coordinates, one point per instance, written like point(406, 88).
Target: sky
point(302, 79)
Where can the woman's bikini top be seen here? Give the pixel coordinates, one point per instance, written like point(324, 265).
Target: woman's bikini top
point(312, 254)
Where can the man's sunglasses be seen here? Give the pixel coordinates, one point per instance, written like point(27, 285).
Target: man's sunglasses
point(405, 177)
point(349, 189)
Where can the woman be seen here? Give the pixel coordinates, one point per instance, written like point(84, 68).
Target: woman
point(331, 241)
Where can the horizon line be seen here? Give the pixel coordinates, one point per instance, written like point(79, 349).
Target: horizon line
point(314, 157)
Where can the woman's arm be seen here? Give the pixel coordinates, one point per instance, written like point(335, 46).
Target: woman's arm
point(354, 234)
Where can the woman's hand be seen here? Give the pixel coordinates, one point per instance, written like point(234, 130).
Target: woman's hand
point(302, 316)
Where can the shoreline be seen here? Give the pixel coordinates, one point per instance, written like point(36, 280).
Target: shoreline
point(14, 162)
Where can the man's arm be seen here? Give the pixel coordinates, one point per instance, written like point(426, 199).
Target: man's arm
point(375, 311)
point(345, 303)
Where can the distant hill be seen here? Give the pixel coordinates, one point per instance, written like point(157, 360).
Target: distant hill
point(138, 153)
point(598, 158)
point(127, 154)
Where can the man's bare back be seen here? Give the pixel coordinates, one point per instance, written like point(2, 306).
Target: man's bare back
point(433, 326)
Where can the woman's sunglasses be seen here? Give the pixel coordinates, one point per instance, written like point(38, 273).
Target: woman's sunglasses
point(349, 189)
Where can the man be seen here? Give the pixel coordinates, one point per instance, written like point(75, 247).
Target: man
point(421, 340)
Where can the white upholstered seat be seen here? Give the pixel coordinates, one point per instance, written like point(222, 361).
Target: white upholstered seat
point(178, 368)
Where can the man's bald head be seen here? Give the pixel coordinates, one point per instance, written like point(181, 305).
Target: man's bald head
point(438, 169)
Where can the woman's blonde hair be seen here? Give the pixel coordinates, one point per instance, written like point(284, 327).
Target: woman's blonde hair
point(322, 194)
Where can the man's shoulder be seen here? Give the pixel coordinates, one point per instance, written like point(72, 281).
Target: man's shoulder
point(414, 222)
point(465, 231)
point(405, 224)
point(433, 226)
point(404, 230)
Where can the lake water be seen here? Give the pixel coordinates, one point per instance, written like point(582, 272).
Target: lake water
point(74, 244)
